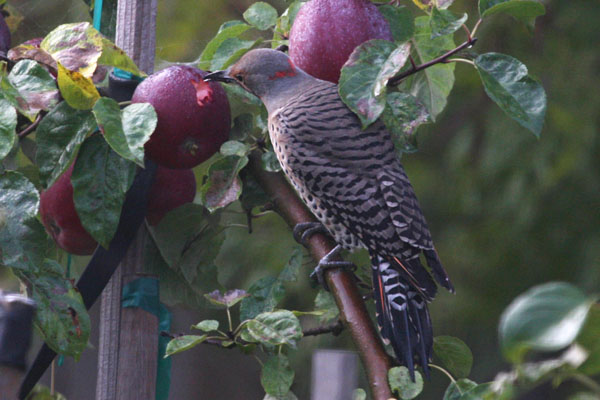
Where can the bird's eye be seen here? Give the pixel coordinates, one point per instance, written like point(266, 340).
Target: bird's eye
point(239, 78)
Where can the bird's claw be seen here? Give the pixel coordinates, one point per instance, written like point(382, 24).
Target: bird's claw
point(304, 230)
point(318, 274)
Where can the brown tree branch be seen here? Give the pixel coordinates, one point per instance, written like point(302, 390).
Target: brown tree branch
point(353, 313)
point(441, 59)
point(335, 329)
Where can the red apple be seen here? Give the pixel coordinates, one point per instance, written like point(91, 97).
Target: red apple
point(325, 32)
point(61, 220)
point(193, 116)
point(171, 189)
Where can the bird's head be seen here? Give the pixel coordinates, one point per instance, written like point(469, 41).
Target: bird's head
point(269, 74)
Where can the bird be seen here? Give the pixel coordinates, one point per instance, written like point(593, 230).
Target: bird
point(354, 183)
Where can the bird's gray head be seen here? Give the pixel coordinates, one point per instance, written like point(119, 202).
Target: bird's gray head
point(269, 74)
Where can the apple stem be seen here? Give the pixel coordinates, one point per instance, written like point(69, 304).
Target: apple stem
point(476, 27)
point(468, 32)
point(441, 59)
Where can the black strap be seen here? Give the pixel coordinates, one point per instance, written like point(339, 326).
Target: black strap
point(103, 263)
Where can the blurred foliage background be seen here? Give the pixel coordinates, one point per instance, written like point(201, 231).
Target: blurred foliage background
point(506, 210)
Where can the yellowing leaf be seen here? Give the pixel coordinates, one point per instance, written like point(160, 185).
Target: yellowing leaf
point(423, 4)
point(76, 46)
point(116, 57)
point(77, 90)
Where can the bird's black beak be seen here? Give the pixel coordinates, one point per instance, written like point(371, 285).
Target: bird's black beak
point(219, 76)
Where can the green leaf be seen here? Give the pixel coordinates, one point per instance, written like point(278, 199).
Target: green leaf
point(8, 125)
point(174, 289)
point(227, 299)
point(292, 268)
point(401, 21)
point(359, 394)
point(35, 84)
point(207, 325)
point(100, 181)
point(456, 389)
point(22, 236)
point(242, 127)
point(402, 116)
point(325, 301)
point(433, 85)
point(265, 294)
point(59, 136)
point(270, 162)
point(261, 15)
point(223, 186)
point(275, 328)
point(516, 8)
point(77, 90)
point(41, 392)
point(139, 121)
point(230, 51)
point(443, 4)
point(234, 148)
point(444, 22)
point(401, 383)
point(547, 317)
point(60, 317)
point(242, 102)
point(228, 30)
point(183, 343)
point(588, 338)
point(9, 93)
point(189, 242)
point(454, 354)
point(486, 391)
point(76, 46)
point(507, 83)
point(277, 376)
point(253, 195)
point(284, 24)
point(364, 77)
point(128, 130)
point(287, 396)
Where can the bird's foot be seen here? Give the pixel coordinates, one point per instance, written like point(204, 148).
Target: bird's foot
point(318, 274)
point(304, 230)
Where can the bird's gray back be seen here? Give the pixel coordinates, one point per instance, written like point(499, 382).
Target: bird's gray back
point(350, 178)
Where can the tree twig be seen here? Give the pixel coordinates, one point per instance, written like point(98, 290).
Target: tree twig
point(441, 59)
point(353, 312)
point(31, 127)
point(334, 329)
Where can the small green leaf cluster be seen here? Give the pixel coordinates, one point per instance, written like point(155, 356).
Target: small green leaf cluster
point(554, 318)
point(262, 325)
point(407, 83)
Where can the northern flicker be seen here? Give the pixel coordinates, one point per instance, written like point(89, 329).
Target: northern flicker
point(355, 185)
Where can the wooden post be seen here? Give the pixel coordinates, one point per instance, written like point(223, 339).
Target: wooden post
point(128, 347)
point(334, 374)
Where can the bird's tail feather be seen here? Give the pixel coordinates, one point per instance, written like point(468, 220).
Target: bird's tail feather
point(438, 271)
point(402, 316)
